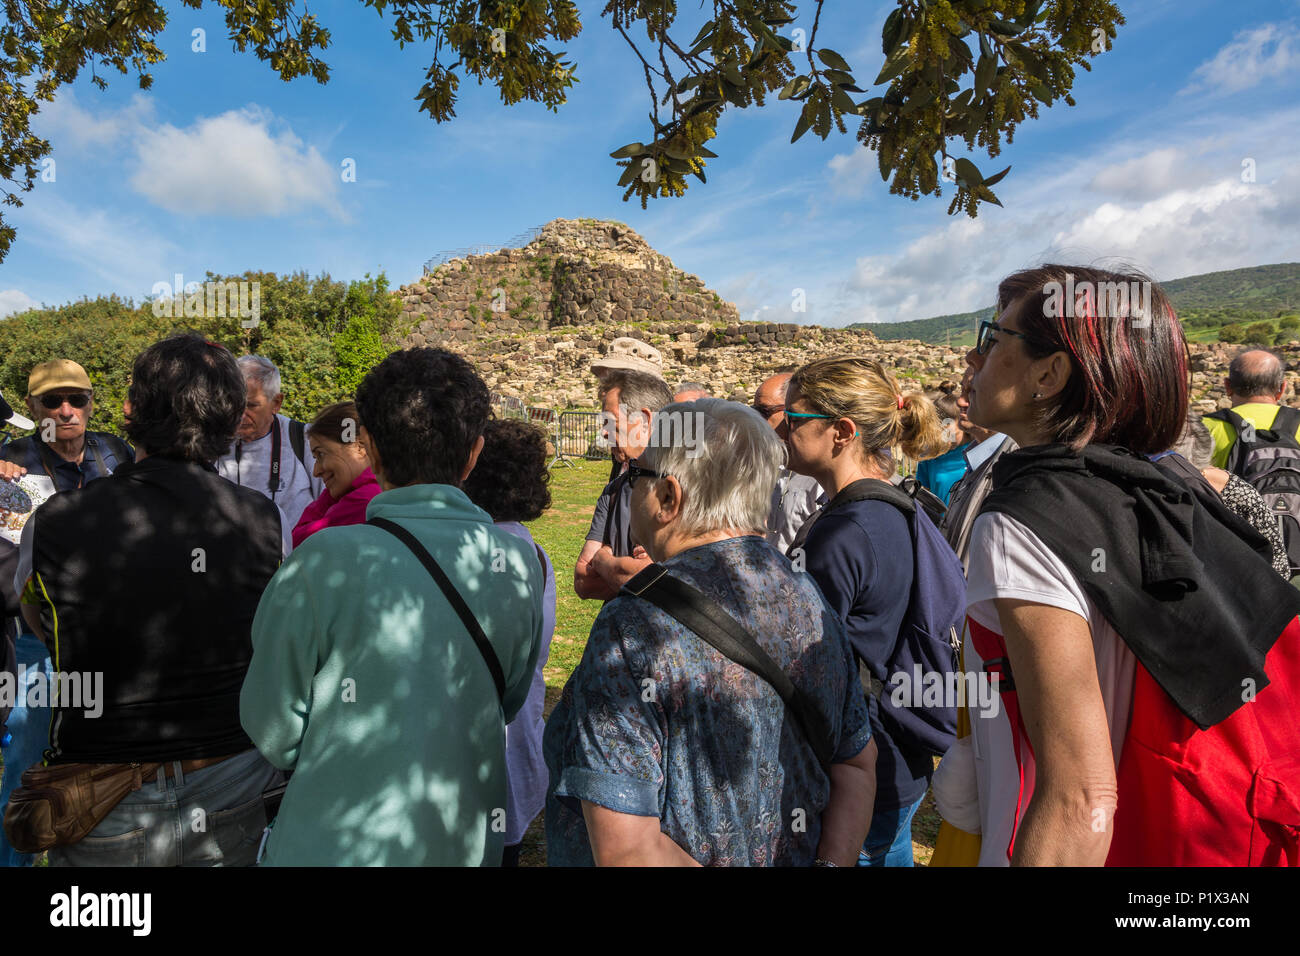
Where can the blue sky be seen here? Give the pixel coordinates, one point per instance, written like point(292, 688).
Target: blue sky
point(224, 167)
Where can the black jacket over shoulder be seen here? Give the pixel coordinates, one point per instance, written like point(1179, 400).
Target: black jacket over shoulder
point(154, 574)
point(1186, 583)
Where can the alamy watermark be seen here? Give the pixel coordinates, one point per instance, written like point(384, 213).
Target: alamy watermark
point(675, 429)
point(75, 690)
point(209, 300)
point(923, 688)
point(1106, 300)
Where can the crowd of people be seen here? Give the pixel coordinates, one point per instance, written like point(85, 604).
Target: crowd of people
point(323, 643)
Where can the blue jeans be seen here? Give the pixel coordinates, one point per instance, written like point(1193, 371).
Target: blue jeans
point(30, 728)
point(211, 817)
point(889, 841)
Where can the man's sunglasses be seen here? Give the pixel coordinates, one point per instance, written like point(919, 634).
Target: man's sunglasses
point(76, 400)
point(635, 471)
point(985, 340)
point(767, 411)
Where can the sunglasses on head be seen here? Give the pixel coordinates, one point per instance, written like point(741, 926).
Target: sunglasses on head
point(76, 400)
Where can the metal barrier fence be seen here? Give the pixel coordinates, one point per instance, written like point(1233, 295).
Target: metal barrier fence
point(482, 249)
point(571, 434)
point(580, 436)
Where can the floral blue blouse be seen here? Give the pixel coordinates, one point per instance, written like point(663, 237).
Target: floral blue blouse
point(655, 722)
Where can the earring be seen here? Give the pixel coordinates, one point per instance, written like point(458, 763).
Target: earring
point(1038, 395)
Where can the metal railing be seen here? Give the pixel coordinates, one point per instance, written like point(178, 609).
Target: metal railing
point(573, 435)
point(482, 249)
point(580, 436)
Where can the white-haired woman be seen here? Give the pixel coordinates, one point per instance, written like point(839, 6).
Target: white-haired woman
point(664, 751)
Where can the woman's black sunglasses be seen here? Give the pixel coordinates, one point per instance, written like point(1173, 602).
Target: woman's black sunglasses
point(985, 340)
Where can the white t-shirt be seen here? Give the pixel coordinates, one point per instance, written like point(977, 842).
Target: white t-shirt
point(298, 487)
point(1007, 560)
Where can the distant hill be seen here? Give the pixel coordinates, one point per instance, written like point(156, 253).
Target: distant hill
point(1204, 303)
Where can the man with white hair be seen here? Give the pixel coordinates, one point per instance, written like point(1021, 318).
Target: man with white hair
point(270, 453)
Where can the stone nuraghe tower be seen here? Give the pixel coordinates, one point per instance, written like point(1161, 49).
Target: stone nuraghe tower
point(577, 272)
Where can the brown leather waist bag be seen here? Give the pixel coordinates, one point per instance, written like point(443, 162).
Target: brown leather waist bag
point(60, 804)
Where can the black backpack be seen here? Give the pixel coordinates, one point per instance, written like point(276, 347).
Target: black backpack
point(1269, 460)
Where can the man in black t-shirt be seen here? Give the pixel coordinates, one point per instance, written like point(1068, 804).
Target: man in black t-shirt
point(147, 583)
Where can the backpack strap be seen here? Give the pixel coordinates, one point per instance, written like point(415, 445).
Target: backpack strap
point(723, 632)
point(1244, 429)
point(1287, 422)
point(453, 598)
point(298, 439)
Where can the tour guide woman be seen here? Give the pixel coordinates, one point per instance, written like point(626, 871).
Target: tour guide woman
point(1091, 567)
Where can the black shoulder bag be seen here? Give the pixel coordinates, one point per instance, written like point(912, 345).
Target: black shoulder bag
point(719, 629)
point(453, 598)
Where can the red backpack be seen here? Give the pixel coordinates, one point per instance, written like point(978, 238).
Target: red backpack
point(1225, 796)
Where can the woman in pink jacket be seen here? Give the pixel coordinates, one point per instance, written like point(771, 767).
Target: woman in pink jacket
point(342, 464)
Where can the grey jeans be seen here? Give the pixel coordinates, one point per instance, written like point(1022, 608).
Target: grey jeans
point(211, 817)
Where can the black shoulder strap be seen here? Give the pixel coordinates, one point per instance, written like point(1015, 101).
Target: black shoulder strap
point(863, 489)
point(719, 629)
point(1287, 422)
point(453, 598)
point(872, 489)
point(273, 474)
point(298, 439)
point(93, 442)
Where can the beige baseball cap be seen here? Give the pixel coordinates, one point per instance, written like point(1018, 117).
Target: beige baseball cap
point(57, 373)
point(633, 354)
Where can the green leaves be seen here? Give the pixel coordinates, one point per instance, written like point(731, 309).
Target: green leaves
point(794, 88)
point(895, 65)
point(832, 59)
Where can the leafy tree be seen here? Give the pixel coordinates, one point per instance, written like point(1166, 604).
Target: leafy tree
point(1289, 322)
point(959, 73)
point(1232, 333)
point(323, 335)
point(1259, 332)
point(1283, 337)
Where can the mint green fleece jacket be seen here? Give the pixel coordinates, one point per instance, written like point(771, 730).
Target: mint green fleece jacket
point(365, 683)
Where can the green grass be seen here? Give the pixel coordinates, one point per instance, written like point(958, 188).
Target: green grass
point(561, 532)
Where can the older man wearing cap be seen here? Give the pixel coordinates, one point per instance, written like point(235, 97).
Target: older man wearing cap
point(61, 401)
point(60, 456)
point(632, 389)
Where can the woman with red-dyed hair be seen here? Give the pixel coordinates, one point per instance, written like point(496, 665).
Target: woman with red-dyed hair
point(1091, 568)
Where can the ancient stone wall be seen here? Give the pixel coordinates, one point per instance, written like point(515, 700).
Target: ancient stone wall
point(577, 272)
point(583, 282)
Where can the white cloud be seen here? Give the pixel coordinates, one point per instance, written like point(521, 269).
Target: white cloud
point(1148, 176)
point(15, 300)
point(850, 172)
point(1177, 211)
point(236, 164)
point(1253, 56)
point(68, 125)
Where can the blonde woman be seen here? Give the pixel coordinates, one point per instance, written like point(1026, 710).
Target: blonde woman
point(843, 418)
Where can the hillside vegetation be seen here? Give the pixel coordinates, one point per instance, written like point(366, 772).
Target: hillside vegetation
point(324, 336)
point(1206, 304)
